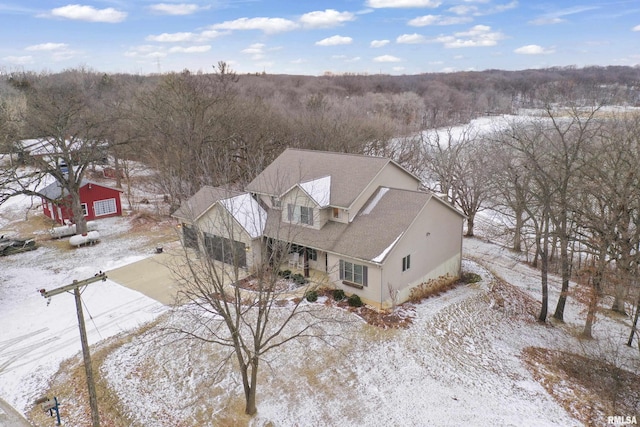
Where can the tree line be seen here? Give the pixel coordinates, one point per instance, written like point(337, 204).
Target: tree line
point(566, 185)
point(566, 178)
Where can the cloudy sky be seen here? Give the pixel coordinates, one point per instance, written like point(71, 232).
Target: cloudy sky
point(315, 37)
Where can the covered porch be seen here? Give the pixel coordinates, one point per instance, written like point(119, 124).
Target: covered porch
point(310, 262)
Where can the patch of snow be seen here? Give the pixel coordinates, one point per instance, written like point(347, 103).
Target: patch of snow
point(319, 190)
point(249, 214)
point(38, 335)
point(384, 253)
point(372, 204)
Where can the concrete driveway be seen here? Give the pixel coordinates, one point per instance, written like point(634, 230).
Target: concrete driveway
point(155, 276)
point(151, 276)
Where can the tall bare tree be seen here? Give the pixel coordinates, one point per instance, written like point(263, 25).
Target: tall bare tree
point(68, 131)
point(233, 295)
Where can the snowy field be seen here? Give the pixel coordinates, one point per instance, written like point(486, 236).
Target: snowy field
point(37, 335)
point(459, 363)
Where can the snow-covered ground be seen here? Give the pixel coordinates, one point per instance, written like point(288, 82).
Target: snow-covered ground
point(36, 334)
point(458, 364)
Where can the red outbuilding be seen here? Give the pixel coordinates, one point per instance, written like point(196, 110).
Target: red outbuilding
point(98, 201)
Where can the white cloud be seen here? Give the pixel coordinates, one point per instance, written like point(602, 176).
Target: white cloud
point(19, 60)
point(171, 37)
point(423, 21)
point(547, 20)
point(326, 19)
point(533, 49)
point(176, 9)
point(256, 50)
point(345, 58)
point(58, 51)
point(47, 46)
point(476, 11)
point(190, 49)
point(557, 17)
point(398, 69)
point(89, 13)
point(379, 43)
point(463, 10)
point(502, 7)
point(145, 51)
point(210, 34)
point(411, 39)
point(334, 41)
point(267, 25)
point(477, 36)
point(636, 28)
point(377, 4)
point(387, 58)
point(62, 55)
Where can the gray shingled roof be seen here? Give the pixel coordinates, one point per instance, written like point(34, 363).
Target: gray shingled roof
point(350, 173)
point(364, 238)
point(200, 202)
point(55, 191)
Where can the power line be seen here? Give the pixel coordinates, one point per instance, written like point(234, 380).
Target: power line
point(75, 287)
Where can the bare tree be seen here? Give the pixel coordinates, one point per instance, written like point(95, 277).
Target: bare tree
point(511, 184)
point(234, 294)
point(62, 116)
point(474, 174)
point(441, 152)
point(525, 143)
point(459, 165)
point(12, 106)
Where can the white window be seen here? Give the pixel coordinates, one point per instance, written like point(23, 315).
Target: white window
point(353, 272)
point(85, 211)
point(104, 207)
point(300, 214)
point(306, 215)
point(406, 263)
point(275, 202)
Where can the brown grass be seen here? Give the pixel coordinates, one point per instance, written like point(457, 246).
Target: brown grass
point(69, 385)
point(589, 389)
point(432, 288)
point(513, 302)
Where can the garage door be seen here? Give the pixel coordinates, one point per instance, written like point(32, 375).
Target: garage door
point(226, 250)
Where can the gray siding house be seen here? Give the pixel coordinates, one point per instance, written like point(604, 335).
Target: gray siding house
point(361, 221)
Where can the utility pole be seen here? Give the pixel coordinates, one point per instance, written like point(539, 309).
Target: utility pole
point(75, 287)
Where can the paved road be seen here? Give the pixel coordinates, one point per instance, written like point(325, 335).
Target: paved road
point(9, 417)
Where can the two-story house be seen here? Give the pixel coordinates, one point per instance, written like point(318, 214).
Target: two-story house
point(360, 220)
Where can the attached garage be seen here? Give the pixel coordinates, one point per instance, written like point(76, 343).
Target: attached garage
point(225, 224)
point(226, 250)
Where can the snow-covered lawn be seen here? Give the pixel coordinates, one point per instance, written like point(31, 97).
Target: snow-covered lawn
point(459, 363)
point(36, 334)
